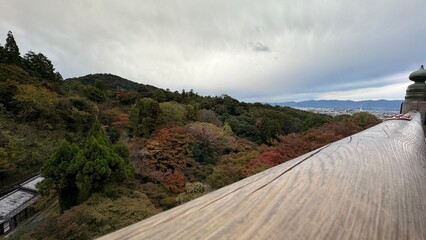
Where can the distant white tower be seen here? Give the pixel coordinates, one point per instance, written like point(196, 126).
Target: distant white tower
point(360, 109)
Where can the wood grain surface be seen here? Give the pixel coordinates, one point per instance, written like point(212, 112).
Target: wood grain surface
point(371, 185)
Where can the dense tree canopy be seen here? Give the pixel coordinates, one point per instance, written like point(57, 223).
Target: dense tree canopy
point(144, 117)
point(76, 173)
point(172, 113)
point(40, 66)
point(59, 174)
point(209, 142)
point(8, 90)
point(34, 102)
point(97, 164)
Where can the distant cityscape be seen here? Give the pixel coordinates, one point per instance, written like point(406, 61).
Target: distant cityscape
point(380, 108)
point(381, 114)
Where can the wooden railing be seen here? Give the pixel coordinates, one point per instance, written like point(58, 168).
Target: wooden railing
point(371, 185)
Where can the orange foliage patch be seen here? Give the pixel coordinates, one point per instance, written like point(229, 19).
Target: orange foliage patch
point(122, 120)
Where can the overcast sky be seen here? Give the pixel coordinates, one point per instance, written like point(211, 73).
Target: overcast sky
point(253, 50)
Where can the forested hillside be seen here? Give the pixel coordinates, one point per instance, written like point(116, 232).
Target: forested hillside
point(114, 151)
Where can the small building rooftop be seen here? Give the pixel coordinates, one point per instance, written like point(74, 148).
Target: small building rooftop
point(19, 199)
point(13, 202)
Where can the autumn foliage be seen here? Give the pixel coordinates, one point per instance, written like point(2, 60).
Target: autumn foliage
point(293, 145)
point(166, 159)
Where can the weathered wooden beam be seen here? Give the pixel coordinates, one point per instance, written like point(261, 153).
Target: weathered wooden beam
point(371, 185)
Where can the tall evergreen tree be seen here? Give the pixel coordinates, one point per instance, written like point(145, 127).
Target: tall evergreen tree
point(12, 50)
point(77, 173)
point(97, 163)
point(59, 175)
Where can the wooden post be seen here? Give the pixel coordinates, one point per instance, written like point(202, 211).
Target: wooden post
point(415, 98)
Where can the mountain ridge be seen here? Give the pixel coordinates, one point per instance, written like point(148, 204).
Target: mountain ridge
point(111, 81)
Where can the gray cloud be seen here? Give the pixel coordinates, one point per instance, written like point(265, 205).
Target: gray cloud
point(313, 47)
point(259, 47)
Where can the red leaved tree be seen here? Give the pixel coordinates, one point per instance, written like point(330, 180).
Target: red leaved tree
point(166, 159)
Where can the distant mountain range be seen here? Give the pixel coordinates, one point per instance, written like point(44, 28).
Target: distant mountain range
point(388, 105)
